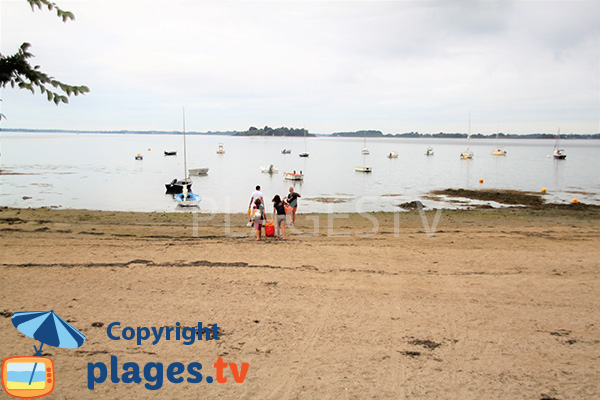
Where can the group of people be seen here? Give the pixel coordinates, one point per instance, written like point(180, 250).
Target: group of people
point(281, 209)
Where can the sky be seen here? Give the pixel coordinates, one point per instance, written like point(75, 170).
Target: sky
point(328, 66)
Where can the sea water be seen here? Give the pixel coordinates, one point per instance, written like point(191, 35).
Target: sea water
point(99, 171)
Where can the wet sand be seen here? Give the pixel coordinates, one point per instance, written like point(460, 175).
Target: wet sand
point(497, 303)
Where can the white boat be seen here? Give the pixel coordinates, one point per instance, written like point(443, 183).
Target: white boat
point(498, 150)
point(559, 154)
point(220, 150)
point(467, 154)
point(392, 154)
point(198, 171)
point(363, 169)
point(270, 169)
point(286, 151)
point(305, 153)
point(365, 151)
point(429, 151)
point(293, 176)
point(186, 198)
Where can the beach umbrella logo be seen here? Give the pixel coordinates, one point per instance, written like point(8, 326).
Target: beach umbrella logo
point(33, 377)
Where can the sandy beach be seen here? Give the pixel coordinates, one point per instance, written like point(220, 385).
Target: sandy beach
point(491, 304)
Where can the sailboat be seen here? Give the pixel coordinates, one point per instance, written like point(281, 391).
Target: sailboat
point(467, 153)
point(498, 151)
point(305, 154)
point(364, 168)
point(559, 154)
point(186, 198)
point(365, 151)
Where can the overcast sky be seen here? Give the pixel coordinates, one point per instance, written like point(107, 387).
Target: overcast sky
point(329, 66)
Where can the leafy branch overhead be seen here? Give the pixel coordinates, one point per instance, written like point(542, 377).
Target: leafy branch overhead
point(65, 15)
point(16, 71)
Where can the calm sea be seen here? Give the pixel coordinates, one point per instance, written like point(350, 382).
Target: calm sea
point(98, 171)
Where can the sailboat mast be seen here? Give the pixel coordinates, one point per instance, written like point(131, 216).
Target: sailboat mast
point(305, 140)
point(557, 139)
point(469, 133)
point(184, 149)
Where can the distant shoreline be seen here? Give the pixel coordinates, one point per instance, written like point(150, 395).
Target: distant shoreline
point(415, 135)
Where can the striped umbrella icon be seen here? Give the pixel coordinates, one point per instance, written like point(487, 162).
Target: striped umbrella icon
point(48, 328)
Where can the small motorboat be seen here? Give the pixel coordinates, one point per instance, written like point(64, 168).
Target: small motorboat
point(170, 153)
point(139, 157)
point(198, 171)
point(365, 151)
point(303, 154)
point(176, 186)
point(221, 149)
point(429, 151)
point(363, 169)
point(293, 176)
point(187, 199)
point(392, 154)
point(269, 169)
point(498, 152)
point(286, 151)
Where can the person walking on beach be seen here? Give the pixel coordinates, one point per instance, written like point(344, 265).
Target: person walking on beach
point(279, 216)
point(258, 215)
point(292, 200)
point(257, 194)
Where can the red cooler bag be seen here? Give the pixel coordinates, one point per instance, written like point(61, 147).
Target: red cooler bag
point(269, 228)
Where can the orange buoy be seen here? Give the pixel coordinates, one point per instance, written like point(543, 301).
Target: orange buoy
point(543, 190)
point(574, 201)
point(481, 180)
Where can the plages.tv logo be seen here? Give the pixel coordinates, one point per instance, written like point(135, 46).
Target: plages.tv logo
point(33, 377)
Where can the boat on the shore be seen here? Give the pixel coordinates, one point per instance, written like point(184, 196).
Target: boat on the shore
point(198, 171)
point(293, 176)
point(170, 153)
point(270, 169)
point(363, 169)
point(187, 199)
point(559, 154)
